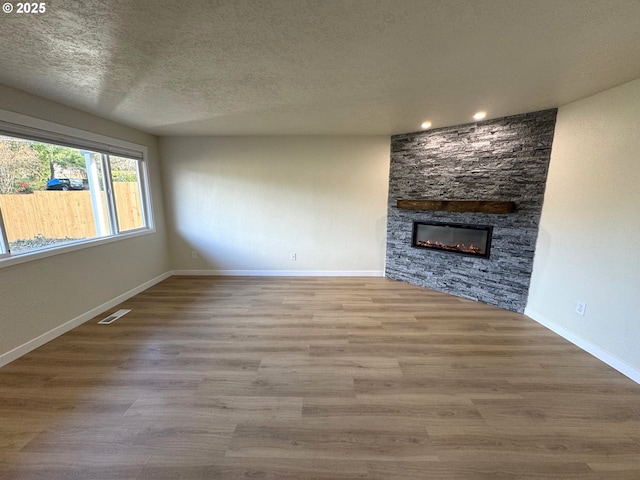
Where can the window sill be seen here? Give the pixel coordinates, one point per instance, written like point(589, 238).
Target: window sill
point(7, 261)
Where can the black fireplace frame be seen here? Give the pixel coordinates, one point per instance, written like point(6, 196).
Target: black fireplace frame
point(486, 228)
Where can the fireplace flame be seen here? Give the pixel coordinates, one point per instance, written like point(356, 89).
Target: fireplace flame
point(458, 247)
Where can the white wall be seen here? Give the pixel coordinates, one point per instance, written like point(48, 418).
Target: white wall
point(589, 240)
point(42, 295)
point(245, 203)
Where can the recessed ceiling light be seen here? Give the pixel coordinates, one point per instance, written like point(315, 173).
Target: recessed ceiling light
point(425, 125)
point(480, 115)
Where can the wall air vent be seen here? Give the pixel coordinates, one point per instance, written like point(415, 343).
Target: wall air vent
point(113, 317)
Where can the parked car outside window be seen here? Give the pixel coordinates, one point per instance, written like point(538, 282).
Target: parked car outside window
point(65, 184)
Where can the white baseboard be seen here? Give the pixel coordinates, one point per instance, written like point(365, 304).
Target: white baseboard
point(281, 273)
point(27, 347)
point(602, 355)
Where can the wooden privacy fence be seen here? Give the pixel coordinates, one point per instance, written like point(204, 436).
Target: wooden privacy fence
point(60, 214)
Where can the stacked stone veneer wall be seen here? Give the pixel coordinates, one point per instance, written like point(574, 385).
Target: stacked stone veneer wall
point(503, 159)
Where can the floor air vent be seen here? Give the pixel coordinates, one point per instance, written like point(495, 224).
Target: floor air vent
point(113, 317)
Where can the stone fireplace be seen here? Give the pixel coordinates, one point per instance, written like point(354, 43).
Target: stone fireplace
point(502, 161)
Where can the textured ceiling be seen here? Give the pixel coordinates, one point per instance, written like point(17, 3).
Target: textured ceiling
point(235, 67)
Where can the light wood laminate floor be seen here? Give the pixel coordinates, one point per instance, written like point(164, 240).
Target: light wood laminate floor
point(314, 378)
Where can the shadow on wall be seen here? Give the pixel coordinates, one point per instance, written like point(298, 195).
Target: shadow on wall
point(200, 253)
point(247, 203)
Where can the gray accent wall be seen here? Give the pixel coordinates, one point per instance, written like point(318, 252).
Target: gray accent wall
point(504, 159)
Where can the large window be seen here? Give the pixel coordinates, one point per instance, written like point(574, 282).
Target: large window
point(58, 191)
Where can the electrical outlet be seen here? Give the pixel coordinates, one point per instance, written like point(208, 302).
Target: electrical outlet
point(292, 256)
point(194, 254)
point(581, 307)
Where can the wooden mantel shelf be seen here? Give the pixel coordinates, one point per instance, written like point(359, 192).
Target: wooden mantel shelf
point(480, 206)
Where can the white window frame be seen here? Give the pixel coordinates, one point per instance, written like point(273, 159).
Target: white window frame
point(22, 126)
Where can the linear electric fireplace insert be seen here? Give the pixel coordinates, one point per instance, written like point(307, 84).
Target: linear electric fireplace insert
point(453, 237)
